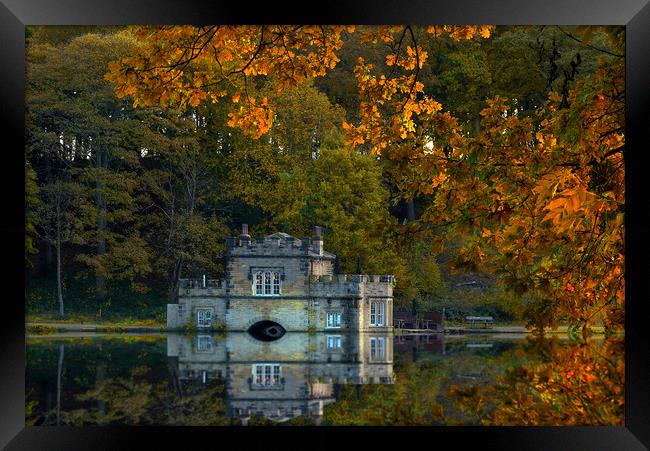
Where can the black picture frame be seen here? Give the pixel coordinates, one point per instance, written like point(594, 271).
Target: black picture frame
point(15, 14)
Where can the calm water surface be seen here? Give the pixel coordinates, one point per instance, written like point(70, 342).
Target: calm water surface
point(323, 379)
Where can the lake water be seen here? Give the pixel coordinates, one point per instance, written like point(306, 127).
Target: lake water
point(323, 379)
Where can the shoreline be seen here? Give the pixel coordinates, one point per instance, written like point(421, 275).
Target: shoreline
point(63, 330)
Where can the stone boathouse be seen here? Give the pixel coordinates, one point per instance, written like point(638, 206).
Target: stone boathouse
point(282, 280)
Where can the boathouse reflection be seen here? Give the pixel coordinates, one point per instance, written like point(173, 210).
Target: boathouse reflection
point(296, 375)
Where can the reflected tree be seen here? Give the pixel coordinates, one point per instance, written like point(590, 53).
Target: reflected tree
point(562, 384)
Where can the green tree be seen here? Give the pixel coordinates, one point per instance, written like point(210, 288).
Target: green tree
point(31, 203)
point(342, 192)
point(179, 216)
point(72, 111)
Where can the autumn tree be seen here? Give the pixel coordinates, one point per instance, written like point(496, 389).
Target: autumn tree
point(523, 161)
point(544, 199)
point(191, 65)
point(558, 384)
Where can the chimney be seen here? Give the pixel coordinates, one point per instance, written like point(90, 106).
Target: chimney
point(317, 241)
point(244, 238)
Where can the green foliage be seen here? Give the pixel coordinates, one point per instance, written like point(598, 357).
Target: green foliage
point(31, 204)
point(495, 302)
point(411, 400)
point(122, 303)
point(122, 184)
point(423, 279)
point(342, 192)
point(40, 329)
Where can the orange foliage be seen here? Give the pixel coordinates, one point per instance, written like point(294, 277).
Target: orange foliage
point(188, 65)
point(580, 384)
point(542, 196)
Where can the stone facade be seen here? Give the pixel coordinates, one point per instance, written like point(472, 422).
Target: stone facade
point(288, 281)
point(305, 371)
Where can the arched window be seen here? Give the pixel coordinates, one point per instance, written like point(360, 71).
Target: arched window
point(276, 283)
point(267, 283)
point(259, 287)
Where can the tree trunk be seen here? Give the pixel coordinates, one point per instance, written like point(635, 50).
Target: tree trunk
point(59, 373)
point(477, 121)
point(100, 280)
point(173, 283)
point(59, 288)
point(100, 375)
point(410, 210)
point(477, 125)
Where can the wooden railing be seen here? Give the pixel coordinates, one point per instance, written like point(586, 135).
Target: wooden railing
point(486, 321)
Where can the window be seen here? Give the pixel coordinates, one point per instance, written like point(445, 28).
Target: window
point(204, 343)
point(266, 374)
point(276, 283)
point(377, 316)
point(333, 342)
point(259, 286)
point(333, 319)
point(377, 348)
point(267, 283)
point(204, 317)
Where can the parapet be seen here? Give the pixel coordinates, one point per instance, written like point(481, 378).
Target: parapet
point(277, 244)
point(201, 287)
point(273, 244)
point(351, 284)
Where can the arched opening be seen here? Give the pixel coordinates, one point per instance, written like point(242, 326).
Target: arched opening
point(267, 330)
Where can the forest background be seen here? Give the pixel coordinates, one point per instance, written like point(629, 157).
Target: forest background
point(483, 166)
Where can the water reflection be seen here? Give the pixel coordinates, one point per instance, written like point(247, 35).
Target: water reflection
point(296, 375)
point(328, 379)
point(567, 384)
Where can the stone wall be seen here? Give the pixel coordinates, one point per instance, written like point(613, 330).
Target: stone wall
point(308, 289)
point(173, 316)
point(347, 307)
point(320, 267)
point(365, 310)
point(292, 258)
point(185, 313)
point(293, 270)
point(292, 314)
